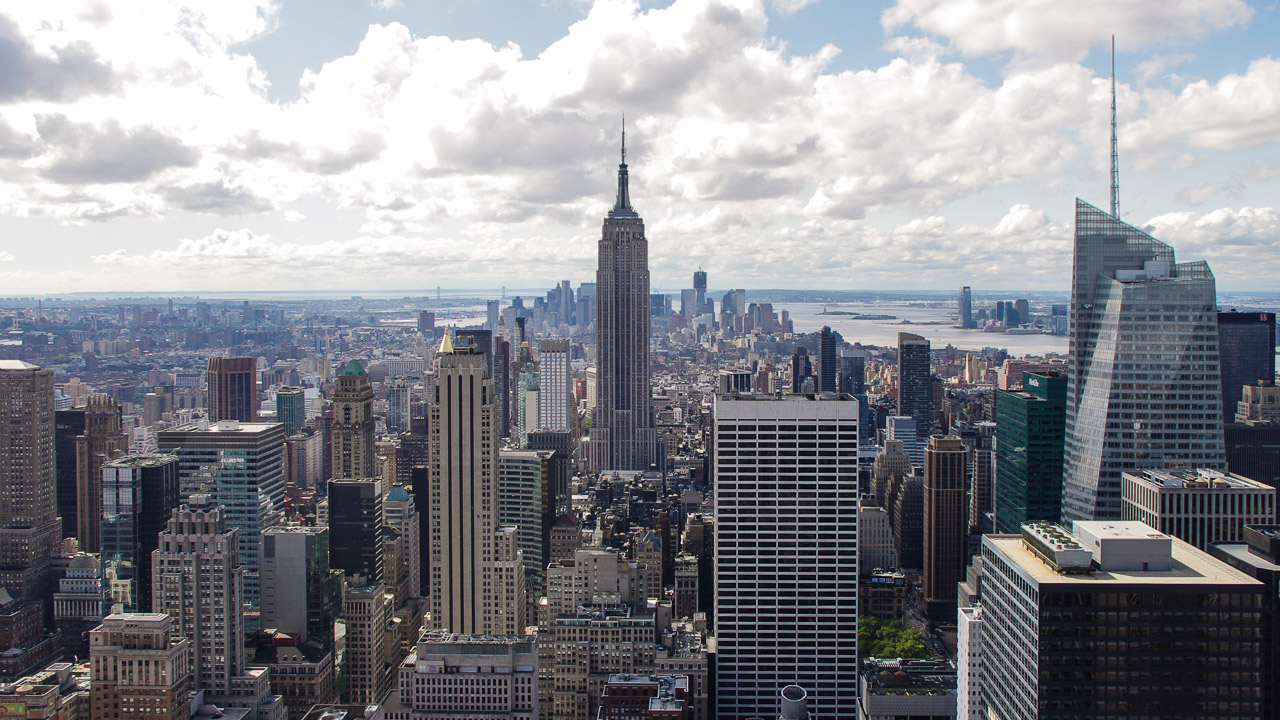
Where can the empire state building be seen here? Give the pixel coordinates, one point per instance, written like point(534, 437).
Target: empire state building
point(622, 431)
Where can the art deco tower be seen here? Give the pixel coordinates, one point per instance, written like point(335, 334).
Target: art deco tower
point(353, 424)
point(622, 432)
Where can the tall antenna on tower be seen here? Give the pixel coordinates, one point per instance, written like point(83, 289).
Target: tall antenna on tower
point(624, 138)
point(1115, 155)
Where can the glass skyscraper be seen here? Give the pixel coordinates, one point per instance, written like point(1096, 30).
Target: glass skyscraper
point(1143, 386)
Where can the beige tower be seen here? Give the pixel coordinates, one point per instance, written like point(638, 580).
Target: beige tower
point(197, 579)
point(467, 556)
point(29, 524)
point(353, 425)
point(101, 442)
point(140, 668)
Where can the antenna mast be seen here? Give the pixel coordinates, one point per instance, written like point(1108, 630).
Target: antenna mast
point(1115, 155)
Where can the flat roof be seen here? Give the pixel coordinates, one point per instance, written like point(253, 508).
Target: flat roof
point(18, 365)
point(1190, 567)
point(240, 427)
point(1240, 551)
point(1199, 479)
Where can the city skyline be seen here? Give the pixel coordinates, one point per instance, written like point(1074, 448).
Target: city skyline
point(298, 138)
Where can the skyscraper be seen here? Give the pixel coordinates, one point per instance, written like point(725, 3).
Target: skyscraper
point(801, 369)
point(233, 389)
point(827, 369)
point(623, 436)
point(700, 291)
point(102, 440)
point(555, 404)
point(68, 425)
point(966, 308)
point(946, 523)
point(355, 527)
point(467, 565)
point(786, 552)
point(291, 409)
point(1029, 443)
point(139, 668)
point(240, 467)
point(1247, 345)
point(139, 493)
point(1179, 633)
point(353, 424)
point(915, 392)
point(29, 525)
point(301, 593)
point(1143, 383)
point(199, 582)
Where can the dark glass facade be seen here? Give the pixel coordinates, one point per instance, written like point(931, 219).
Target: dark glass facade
point(1030, 435)
point(1247, 348)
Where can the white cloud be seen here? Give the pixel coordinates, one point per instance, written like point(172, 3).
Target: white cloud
point(468, 158)
point(386, 4)
point(6, 256)
point(791, 7)
point(1063, 30)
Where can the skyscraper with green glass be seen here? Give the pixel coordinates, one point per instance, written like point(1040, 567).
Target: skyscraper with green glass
point(1030, 436)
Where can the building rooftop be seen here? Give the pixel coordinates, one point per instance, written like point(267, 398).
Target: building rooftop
point(17, 365)
point(909, 677)
point(1188, 566)
point(1193, 479)
point(143, 460)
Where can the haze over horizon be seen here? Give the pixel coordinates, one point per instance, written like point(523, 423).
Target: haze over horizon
point(915, 145)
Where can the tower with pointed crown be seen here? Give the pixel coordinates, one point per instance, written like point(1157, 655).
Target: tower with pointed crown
point(622, 429)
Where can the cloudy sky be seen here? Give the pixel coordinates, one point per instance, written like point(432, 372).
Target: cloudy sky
point(402, 144)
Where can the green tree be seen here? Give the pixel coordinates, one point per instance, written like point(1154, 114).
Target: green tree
point(892, 639)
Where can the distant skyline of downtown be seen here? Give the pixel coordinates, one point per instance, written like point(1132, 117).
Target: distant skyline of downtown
point(903, 145)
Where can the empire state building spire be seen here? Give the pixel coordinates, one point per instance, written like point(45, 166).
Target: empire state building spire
point(622, 206)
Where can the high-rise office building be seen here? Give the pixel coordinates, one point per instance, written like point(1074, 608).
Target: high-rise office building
point(399, 406)
point(852, 378)
point(905, 429)
point(1257, 555)
point(1143, 382)
point(402, 562)
point(965, 308)
point(1195, 505)
point(555, 401)
point(355, 528)
point(700, 290)
point(827, 367)
point(915, 391)
point(301, 593)
point(786, 552)
point(1030, 427)
point(353, 424)
point(140, 669)
point(367, 610)
point(1247, 347)
point(623, 436)
point(946, 523)
point(979, 439)
point(590, 644)
point(801, 369)
point(466, 563)
point(29, 527)
point(240, 467)
point(526, 502)
point(233, 389)
point(67, 426)
point(291, 409)
point(892, 459)
point(1124, 622)
point(905, 503)
point(139, 493)
point(102, 441)
point(197, 580)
